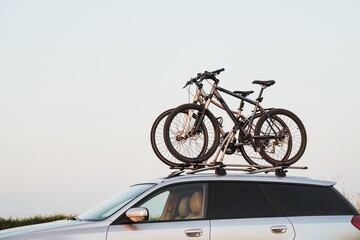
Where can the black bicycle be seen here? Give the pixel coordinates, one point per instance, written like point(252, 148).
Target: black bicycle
point(245, 150)
point(192, 133)
point(161, 151)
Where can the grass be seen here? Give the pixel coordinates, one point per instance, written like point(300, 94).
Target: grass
point(354, 199)
point(18, 222)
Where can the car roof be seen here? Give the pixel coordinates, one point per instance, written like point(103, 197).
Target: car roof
point(245, 177)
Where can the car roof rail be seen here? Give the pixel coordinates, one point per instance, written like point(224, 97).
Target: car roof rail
point(221, 168)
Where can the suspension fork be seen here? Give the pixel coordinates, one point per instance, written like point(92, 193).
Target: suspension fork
point(185, 130)
point(201, 114)
point(204, 106)
point(197, 95)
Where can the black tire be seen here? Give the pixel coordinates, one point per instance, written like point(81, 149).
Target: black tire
point(254, 157)
point(291, 144)
point(246, 149)
point(189, 146)
point(157, 141)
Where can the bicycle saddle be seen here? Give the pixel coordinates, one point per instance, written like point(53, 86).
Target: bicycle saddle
point(267, 83)
point(244, 93)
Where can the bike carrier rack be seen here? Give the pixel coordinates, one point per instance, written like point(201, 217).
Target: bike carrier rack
point(220, 168)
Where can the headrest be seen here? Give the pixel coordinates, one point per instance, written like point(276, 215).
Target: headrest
point(184, 207)
point(196, 202)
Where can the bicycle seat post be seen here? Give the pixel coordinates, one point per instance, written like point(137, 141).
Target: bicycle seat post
point(263, 84)
point(260, 98)
point(241, 107)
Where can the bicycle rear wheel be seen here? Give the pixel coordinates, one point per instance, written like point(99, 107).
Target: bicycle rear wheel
point(185, 142)
point(281, 137)
point(246, 149)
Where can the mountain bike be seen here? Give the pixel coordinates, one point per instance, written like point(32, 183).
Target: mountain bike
point(192, 133)
point(159, 147)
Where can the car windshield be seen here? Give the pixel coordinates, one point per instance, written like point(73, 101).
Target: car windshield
point(112, 205)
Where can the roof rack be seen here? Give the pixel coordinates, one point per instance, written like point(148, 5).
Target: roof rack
point(220, 168)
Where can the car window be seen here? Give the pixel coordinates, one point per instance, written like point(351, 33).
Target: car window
point(305, 200)
point(156, 206)
point(112, 205)
point(184, 202)
point(239, 200)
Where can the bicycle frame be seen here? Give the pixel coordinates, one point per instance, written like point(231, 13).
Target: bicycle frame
point(201, 95)
point(206, 99)
point(256, 104)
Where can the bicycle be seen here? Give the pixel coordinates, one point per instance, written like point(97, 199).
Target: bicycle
point(192, 133)
point(161, 151)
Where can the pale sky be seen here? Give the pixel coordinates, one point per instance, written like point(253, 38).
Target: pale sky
point(82, 81)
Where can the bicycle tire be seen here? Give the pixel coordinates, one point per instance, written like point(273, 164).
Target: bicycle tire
point(253, 156)
point(158, 143)
point(185, 144)
point(246, 149)
point(294, 135)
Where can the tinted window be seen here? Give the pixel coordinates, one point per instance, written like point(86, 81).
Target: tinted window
point(180, 202)
point(239, 200)
point(299, 200)
point(174, 203)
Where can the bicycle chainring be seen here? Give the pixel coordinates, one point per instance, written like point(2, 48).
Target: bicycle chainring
point(231, 148)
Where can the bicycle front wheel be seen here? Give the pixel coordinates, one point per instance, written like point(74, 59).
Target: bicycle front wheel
point(281, 137)
point(184, 141)
point(158, 143)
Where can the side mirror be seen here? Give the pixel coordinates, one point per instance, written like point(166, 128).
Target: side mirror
point(138, 214)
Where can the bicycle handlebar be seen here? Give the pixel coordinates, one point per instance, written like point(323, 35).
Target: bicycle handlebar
point(218, 71)
point(203, 76)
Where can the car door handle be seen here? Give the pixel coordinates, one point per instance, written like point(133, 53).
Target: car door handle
point(194, 232)
point(279, 229)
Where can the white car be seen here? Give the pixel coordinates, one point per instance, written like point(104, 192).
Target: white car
point(211, 207)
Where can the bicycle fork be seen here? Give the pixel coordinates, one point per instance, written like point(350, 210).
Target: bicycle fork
point(185, 131)
point(188, 130)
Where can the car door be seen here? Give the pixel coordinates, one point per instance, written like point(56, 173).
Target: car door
point(242, 210)
point(177, 213)
point(316, 212)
